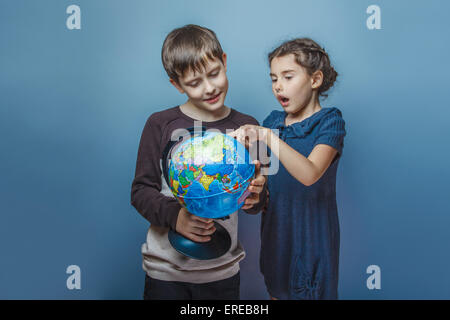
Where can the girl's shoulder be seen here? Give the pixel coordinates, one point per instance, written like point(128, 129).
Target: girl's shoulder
point(329, 121)
point(275, 118)
point(330, 113)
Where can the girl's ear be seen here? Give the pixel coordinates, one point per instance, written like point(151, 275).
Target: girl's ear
point(316, 79)
point(176, 85)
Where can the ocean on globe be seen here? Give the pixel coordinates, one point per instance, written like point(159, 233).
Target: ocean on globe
point(209, 174)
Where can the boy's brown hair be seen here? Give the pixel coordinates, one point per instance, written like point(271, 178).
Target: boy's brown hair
point(189, 48)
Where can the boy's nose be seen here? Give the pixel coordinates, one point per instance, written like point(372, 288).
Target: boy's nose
point(209, 87)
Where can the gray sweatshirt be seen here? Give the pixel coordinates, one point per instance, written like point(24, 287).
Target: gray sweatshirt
point(152, 198)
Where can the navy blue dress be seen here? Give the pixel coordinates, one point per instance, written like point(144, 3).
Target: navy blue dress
point(300, 228)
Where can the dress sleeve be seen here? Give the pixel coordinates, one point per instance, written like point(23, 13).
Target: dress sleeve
point(146, 195)
point(270, 119)
point(332, 131)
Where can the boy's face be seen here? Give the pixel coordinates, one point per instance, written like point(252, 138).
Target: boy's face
point(291, 84)
point(206, 89)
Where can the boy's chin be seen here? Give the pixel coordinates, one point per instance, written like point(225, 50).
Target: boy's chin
point(211, 107)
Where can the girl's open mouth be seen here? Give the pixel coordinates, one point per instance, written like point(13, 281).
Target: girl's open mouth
point(283, 100)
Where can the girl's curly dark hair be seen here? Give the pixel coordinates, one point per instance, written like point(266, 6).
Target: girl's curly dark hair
point(312, 57)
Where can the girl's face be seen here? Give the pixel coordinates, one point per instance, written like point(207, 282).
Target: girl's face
point(291, 84)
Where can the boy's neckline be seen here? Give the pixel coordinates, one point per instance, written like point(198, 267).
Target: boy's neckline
point(227, 117)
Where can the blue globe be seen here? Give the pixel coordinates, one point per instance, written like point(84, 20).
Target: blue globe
point(209, 174)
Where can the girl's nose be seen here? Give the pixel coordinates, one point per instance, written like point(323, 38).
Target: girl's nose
point(278, 87)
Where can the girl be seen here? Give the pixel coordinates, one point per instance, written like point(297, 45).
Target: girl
point(300, 228)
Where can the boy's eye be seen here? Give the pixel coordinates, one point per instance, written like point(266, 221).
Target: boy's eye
point(214, 74)
point(274, 80)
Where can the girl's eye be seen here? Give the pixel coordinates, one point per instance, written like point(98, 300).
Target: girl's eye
point(274, 80)
point(214, 74)
point(289, 77)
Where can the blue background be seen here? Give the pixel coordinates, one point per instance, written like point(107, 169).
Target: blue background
point(74, 102)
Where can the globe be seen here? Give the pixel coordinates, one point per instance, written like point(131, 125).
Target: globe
point(209, 174)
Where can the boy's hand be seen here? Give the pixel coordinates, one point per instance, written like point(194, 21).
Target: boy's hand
point(194, 228)
point(255, 187)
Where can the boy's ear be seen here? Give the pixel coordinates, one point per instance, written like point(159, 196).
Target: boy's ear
point(176, 85)
point(316, 79)
point(224, 59)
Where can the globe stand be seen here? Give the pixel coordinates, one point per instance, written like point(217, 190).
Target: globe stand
point(219, 244)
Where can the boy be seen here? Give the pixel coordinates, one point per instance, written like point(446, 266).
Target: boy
point(196, 65)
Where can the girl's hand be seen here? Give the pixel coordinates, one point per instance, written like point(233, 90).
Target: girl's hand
point(255, 187)
point(249, 134)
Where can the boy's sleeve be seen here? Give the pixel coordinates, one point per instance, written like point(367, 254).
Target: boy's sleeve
point(146, 195)
point(263, 195)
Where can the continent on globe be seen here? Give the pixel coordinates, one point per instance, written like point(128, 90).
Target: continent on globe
point(209, 174)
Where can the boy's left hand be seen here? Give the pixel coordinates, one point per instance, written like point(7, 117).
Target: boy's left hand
point(255, 187)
